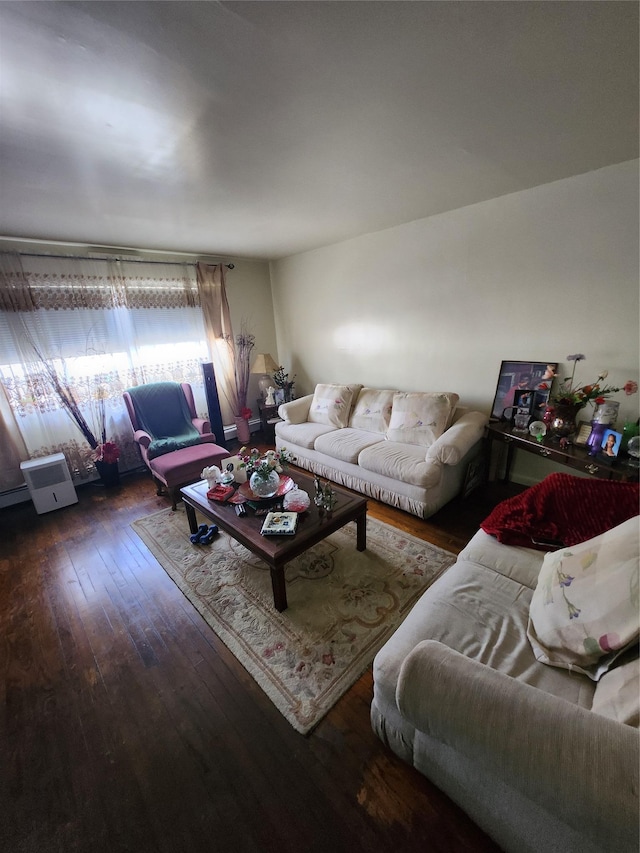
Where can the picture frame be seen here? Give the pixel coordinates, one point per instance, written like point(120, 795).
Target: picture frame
point(582, 434)
point(521, 376)
point(521, 409)
point(232, 464)
point(540, 403)
point(523, 401)
point(279, 396)
point(610, 446)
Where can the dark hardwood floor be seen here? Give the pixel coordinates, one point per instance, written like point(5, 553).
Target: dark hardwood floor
point(128, 726)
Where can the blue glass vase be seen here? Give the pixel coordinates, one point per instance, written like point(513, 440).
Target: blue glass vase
point(594, 442)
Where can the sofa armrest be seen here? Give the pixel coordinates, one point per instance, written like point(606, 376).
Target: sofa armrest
point(142, 438)
point(296, 411)
point(576, 764)
point(458, 440)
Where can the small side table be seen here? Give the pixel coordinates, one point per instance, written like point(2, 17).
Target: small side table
point(268, 419)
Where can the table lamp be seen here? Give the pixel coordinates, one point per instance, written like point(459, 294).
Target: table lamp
point(266, 367)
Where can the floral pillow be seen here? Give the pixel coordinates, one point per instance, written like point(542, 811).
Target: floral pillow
point(331, 404)
point(372, 410)
point(420, 417)
point(585, 609)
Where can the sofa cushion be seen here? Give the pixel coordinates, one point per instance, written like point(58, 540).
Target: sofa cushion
point(520, 564)
point(617, 693)
point(331, 404)
point(405, 462)
point(420, 418)
point(304, 435)
point(372, 410)
point(346, 444)
point(584, 610)
point(482, 615)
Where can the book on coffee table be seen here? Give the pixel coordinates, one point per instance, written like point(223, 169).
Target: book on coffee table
point(280, 524)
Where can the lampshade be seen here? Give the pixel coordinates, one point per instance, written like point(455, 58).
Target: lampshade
point(263, 363)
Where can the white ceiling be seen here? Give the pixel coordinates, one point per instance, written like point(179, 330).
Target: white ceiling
point(262, 129)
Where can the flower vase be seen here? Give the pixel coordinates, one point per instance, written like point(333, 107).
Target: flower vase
point(264, 487)
point(563, 423)
point(242, 430)
point(594, 442)
point(606, 413)
point(109, 473)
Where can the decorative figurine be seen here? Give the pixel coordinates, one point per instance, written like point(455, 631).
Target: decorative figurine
point(329, 499)
point(270, 399)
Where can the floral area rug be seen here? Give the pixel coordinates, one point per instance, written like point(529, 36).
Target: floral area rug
point(343, 604)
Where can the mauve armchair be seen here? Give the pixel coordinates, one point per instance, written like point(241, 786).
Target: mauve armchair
point(175, 444)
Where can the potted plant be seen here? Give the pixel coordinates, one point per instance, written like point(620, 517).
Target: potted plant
point(284, 383)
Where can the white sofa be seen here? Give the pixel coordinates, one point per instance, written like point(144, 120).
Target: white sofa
point(409, 450)
point(543, 758)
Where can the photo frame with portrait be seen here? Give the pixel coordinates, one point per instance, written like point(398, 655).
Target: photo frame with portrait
point(610, 446)
point(279, 396)
point(521, 409)
point(523, 401)
point(522, 376)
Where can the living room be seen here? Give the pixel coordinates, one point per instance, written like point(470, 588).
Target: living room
point(409, 196)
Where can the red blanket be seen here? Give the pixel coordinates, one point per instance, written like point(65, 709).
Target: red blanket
point(562, 510)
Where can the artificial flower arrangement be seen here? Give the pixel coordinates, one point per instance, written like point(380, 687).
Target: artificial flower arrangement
point(106, 452)
point(597, 393)
point(102, 450)
point(262, 464)
point(244, 343)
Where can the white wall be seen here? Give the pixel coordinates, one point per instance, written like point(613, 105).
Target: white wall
point(438, 303)
point(250, 301)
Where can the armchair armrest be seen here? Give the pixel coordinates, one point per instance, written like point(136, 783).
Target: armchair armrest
point(201, 425)
point(142, 438)
point(296, 411)
point(458, 440)
point(577, 765)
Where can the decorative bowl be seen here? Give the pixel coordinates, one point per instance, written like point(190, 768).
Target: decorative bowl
point(297, 500)
point(286, 484)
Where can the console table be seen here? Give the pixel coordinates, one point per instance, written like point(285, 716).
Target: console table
point(572, 455)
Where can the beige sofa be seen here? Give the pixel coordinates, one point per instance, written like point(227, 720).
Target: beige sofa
point(409, 450)
point(542, 757)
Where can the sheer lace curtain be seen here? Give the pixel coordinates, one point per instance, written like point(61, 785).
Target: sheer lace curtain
point(217, 320)
point(104, 325)
point(13, 449)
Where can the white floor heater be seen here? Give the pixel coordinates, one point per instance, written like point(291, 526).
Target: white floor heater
point(49, 482)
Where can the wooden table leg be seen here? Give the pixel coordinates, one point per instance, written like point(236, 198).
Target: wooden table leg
point(279, 588)
point(507, 470)
point(191, 518)
point(361, 531)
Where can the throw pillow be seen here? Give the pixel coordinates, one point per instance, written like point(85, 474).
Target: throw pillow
point(584, 610)
point(420, 417)
point(372, 410)
point(331, 404)
point(617, 693)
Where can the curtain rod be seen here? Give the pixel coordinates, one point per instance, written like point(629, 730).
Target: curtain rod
point(116, 257)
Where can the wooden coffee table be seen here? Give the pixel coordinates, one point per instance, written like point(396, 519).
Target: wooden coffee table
point(277, 551)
